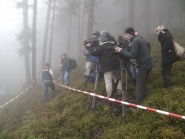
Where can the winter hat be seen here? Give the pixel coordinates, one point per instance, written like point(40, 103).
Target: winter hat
point(96, 33)
point(104, 33)
point(130, 30)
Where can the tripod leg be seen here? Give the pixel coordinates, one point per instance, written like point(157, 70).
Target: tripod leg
point(115, 88)
point(95, 90)
point(92, 69)
point(124, 98)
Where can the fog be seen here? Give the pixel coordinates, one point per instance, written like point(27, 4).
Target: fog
point(71, 28)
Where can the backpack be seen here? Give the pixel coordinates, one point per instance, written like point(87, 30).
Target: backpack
point(73, 64)
point(179, 51)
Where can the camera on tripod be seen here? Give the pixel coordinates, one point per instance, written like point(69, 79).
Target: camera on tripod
point(92, 41)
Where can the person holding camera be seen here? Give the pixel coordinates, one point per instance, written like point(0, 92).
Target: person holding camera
point(109, 65)
point(140, 52)
point(65, 64)
point(89, 59)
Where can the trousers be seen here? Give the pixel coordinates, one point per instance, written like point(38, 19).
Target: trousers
point(141, 88)
point(108, 76)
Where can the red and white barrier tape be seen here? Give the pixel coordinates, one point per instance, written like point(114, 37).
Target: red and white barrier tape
point(126, 103)
point(15, 97)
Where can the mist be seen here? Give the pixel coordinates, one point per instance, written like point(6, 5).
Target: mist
point(75, 21)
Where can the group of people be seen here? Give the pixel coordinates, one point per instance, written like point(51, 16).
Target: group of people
point(137, 50)
point(48, 76)
point(134, 47)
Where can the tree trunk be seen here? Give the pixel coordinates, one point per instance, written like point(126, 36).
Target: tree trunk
point(169, 15)
point(124, 15)
point(26, 42)
point(82, 27)
point(161, 12)
point(69, 36)
point(34, 41)
point(182, 3)
point(147, 12)
point(79, 30)
point(90, 19)
point(46, 35)
point(52, 28)
point(131, 12)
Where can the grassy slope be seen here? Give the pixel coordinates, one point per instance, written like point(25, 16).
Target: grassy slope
point(67, 115)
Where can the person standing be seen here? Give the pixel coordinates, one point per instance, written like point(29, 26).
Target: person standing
point(65, 64)
point(168, 53)
point(47, 81)
point(140, 52)
point(109, 65)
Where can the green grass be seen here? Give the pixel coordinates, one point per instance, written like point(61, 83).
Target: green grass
point(67, 115)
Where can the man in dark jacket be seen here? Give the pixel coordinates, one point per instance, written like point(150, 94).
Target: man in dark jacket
point(140, 52)
point(167, 52)
point(47, 81)
point(108, 65)
point(65, 64)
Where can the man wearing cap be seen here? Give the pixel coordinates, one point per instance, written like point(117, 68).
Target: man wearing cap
point(47, 81)
point(108, 65)
point(141, 53)
point(89, 58)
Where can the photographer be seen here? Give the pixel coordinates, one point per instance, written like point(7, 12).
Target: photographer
point(65, 64)
point(140, 52)
point(94, 41)
point(108, 65)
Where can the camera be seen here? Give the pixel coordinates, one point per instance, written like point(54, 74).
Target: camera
point(124, 60)
point(93, 42)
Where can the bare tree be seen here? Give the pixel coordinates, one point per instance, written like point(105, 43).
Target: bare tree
point(131, 12)
point(26, 41)
point(90, 19)
point(169, 14)
point(147, 12)
point(182, 3)
point(79, 28)
point(83, 16)
point(46, 35)
point(34, 41)
point(52, 29)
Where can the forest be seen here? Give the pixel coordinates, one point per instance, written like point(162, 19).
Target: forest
point(49, 28)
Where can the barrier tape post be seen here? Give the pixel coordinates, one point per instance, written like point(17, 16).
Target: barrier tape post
point(126, 103)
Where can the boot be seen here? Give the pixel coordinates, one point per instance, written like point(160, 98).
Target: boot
point(167, 81)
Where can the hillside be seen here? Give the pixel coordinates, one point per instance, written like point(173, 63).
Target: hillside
point(67, 115)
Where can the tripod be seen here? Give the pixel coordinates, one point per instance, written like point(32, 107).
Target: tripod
point(94, 67)
point(122, 68)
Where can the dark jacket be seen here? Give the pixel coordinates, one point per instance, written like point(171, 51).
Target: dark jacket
point(46, 74)
point(165, 38)
point(65, 64)
point(105, 59)
point(140, 51)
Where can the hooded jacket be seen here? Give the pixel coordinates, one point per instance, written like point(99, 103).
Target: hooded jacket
point(106, 61)
point(166, 40)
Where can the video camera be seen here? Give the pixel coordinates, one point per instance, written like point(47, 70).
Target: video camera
point(93, 42)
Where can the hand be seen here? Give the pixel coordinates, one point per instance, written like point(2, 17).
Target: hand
point(88, 45)
point(117, 49)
